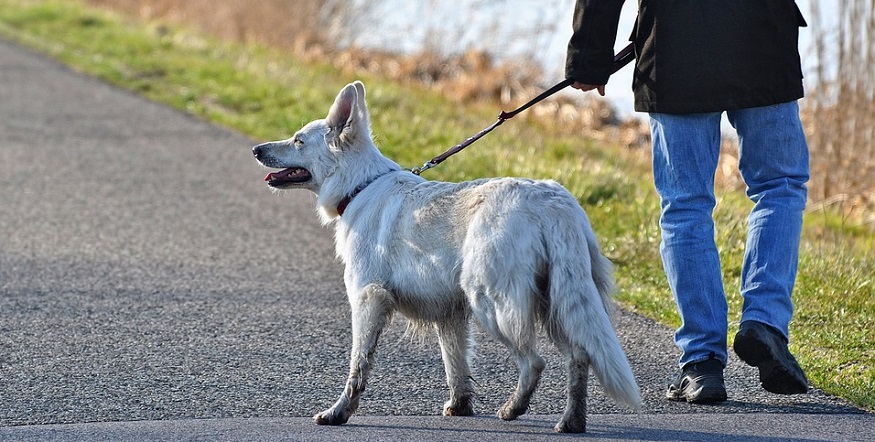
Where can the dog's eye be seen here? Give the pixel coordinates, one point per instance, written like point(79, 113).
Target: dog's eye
point(298, 142)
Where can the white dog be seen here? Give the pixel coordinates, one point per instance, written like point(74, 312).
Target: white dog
point(515, 253)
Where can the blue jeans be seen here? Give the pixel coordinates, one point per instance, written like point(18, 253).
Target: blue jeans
point(773, 161)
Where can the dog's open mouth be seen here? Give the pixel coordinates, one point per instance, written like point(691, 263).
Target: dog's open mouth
point(288, 177)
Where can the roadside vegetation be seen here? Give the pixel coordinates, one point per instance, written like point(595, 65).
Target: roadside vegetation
point(266, 89)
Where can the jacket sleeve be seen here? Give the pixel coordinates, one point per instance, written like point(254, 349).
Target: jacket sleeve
point(591, 48)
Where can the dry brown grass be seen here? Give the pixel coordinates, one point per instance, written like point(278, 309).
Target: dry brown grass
point(839, 117)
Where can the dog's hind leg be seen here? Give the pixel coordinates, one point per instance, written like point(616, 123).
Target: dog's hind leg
point(499, 282)
point(577, 365)
point(530, 365)
point(574, 418)
point(370, 313)
point(517, 333)
point(455, 348)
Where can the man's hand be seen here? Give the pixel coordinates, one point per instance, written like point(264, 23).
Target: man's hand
point(589, 87)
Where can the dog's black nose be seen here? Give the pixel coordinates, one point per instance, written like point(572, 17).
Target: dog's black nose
point(258, 151)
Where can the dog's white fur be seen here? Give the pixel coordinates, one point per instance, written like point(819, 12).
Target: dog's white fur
point(515, 253)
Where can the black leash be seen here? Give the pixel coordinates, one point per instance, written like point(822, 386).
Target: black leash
point(621, 59)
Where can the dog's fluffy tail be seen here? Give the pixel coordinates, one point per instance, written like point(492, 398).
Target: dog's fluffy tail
point(580, 307)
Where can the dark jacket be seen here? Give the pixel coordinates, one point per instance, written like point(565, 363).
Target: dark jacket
point(695, 56)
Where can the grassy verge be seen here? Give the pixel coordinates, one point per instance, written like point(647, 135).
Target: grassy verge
point(267, 94)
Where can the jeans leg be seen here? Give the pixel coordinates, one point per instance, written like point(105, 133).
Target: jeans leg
point(685, 153)
point(773, 161)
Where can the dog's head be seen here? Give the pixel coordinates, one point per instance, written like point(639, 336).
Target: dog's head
point(311, 155)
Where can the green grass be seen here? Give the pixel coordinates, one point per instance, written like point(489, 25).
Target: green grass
point(268, 94)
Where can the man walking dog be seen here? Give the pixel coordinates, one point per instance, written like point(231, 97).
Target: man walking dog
point(696, 59)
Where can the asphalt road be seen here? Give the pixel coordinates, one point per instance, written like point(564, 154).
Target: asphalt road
point(153, 288)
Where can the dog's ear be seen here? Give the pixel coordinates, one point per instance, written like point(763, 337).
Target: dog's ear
point(348, 116)
point(360, 99)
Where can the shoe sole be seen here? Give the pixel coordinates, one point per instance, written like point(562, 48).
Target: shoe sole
point(701, 396)
point(775, 377)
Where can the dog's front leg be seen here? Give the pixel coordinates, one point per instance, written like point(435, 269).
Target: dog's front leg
point(453, 335)
point(370, 312)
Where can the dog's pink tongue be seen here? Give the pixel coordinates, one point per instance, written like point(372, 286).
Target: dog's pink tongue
point(278, 175)
point(290, 175)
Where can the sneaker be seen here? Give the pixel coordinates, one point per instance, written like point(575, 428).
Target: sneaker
point(761, 346)
point(699, 383)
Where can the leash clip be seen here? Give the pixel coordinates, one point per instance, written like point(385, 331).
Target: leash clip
point(427, 165)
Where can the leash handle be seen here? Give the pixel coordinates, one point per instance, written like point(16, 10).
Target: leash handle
point(621, 59)
point(624, 57)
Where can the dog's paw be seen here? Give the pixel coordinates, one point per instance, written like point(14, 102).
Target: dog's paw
point(510, 411)
point(459, 408)
point(331, 416)
point(571, 426)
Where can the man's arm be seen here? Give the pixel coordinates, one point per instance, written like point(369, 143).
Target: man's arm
point(591, 47)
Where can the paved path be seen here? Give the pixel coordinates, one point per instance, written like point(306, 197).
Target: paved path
point(152, 288)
